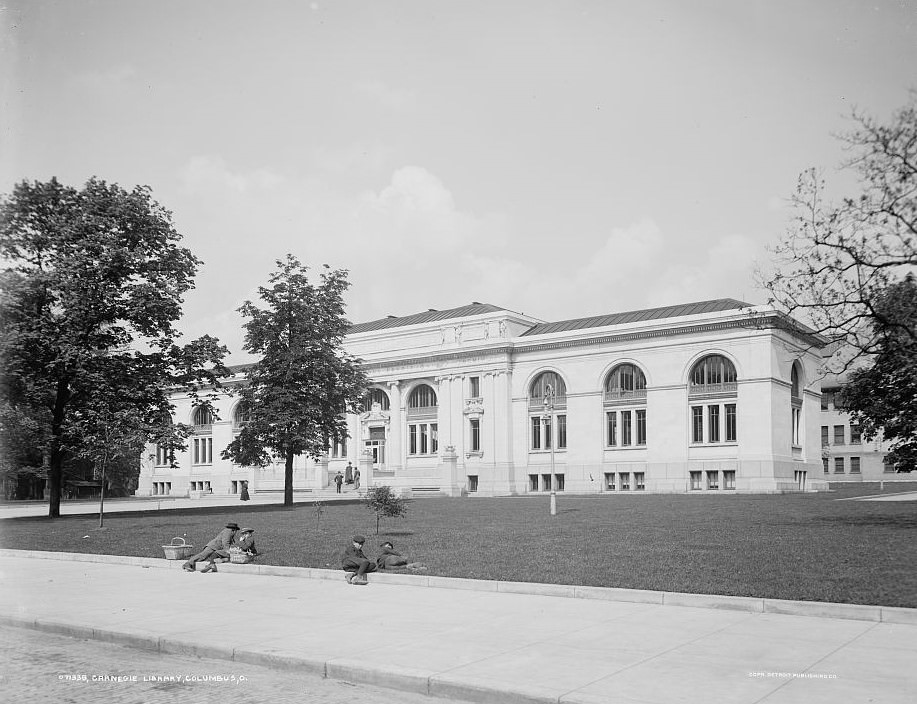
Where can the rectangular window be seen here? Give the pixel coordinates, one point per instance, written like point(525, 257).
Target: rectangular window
point(203, 450)
point(854, 465)
point(533, 482)
point(713, 416)
point(434, 438)
point(612, 428)
point(838, 465)
point(824, 400)
point(559, 479)
point(562, 432)
point(536, 433)
point(696, 480)
point(794, 421)
point(546, 482)
point(475, 430)
point(625, 428)
point(887, 466)
point(839, 434)
point(856, 435)
point(729, 480)
point(164, 456)
point(713, 480)
point(412, 439)
point(423, 438)
point(474, 387)
point(548, 434)
point(610, 481)
point(824, 464)
point(641, 426)
point(824, 435)
point(697, 423)
point(624, 480)
point(731, 422)
point(472, 483)
point(640, 481)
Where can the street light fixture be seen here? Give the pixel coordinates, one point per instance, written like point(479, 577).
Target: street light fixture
point(548, 417)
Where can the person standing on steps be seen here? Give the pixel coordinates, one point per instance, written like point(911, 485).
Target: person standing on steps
point(356, 479)
point(338, 480)
point(348, 473)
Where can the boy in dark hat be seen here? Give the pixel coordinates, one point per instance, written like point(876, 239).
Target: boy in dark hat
point(355, 563)
point(218, 548)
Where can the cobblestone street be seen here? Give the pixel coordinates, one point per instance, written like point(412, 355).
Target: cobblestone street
point(41, 667)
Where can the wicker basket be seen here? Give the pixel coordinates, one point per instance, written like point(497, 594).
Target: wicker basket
point(178, 551)
point(239, 557)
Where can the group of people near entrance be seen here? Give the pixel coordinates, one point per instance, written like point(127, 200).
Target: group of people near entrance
point(353, 560)
point(351, 476)
point(217, 550)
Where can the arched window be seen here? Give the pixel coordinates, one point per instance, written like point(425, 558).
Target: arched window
point(202, 417)
point(375, 396)
point(625, 407)
point(423, 433)
point(540, 386)
point(202, 443)
point(423, 396)
point(712, 374)
point(712, 389)
point(795, 406)
point(541, 432)
point(625, 381)
point(241, 415)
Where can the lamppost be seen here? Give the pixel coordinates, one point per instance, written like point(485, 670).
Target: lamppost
point(548, 418)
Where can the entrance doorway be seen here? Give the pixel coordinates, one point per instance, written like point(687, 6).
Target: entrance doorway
point(376, 445)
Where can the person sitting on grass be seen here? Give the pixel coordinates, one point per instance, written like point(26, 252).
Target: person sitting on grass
point(246, 541)
point(216, 549)
point(390, 559)
point(355, 563)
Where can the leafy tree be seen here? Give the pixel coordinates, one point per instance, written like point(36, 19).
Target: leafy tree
point(838, 259)
point(93, 283)
point(382, 501)
point(882, 397)
point(303, 383)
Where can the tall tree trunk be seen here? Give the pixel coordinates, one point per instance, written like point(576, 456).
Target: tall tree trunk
point(288, 480)
point(56, 464)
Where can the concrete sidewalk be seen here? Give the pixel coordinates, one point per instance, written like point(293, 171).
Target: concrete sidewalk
point(89, 507)
point(470, 643)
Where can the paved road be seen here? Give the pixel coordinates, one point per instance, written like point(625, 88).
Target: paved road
point(43, 667)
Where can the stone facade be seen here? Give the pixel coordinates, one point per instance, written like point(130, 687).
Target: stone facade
point(717, 396)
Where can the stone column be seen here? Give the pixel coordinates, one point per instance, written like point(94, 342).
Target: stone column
point(394, 454)
point(320, 480)
point(366, 469)
point(449, 477)
point(444, 410)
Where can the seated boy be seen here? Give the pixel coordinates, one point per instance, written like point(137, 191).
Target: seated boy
point(355, 563)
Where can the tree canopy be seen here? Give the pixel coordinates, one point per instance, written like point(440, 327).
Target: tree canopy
point(93, 282)
point(304, 381)
point(882, 397)
point(838, 258)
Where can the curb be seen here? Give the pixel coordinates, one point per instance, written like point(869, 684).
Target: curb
point(817, 609)
point(343, 669)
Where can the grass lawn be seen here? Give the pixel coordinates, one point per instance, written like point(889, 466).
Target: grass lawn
point(795, 546)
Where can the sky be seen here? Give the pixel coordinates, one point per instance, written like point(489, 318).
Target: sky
point(559, 159)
